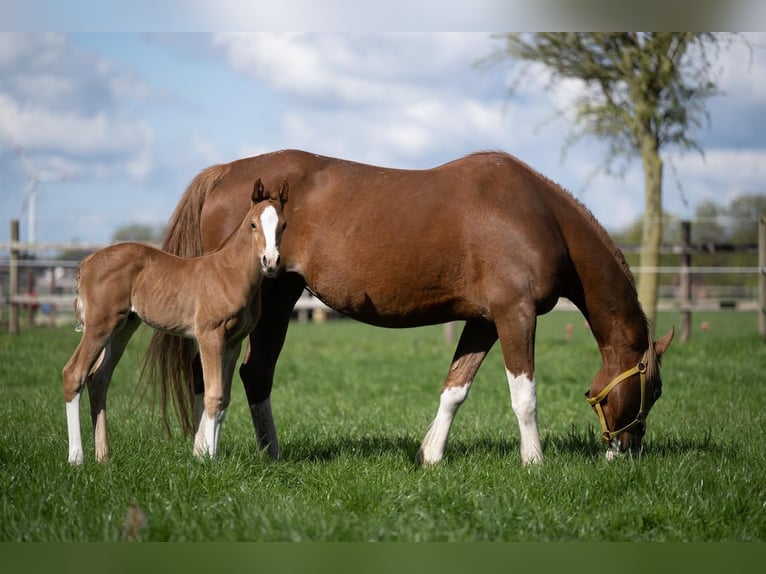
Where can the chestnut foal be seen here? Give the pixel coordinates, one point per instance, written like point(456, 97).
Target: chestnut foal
point(214, 299)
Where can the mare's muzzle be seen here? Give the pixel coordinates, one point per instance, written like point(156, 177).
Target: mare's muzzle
point(609, 437)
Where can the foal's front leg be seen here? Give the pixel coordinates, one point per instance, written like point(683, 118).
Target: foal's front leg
point(211, 350)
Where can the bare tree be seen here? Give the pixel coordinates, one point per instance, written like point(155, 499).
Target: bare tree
point(643, 92)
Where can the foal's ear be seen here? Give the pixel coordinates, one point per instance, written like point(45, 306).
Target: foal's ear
point(661, 345)
point(258, 191)
point(283, 192)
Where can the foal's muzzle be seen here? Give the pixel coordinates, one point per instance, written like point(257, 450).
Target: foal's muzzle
point(270, 265)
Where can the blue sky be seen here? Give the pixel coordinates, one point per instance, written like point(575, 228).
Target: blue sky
point(117, 124)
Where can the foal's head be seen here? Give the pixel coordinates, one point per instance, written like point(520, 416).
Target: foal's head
point(267, 221)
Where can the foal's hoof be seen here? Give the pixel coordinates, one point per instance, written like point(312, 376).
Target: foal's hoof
point(425, 461)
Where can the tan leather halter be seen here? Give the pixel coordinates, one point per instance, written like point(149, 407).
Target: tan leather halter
point(595, 402)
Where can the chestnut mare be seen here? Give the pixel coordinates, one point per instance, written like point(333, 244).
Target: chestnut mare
point(484, 239)
point(213, 299)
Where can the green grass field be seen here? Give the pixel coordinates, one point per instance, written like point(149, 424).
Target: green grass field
point(352, 403)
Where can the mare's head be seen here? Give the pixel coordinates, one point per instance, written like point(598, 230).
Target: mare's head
point(622, 402)
point(267, 221)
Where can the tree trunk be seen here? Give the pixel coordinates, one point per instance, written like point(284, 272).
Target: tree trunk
point(651, 239)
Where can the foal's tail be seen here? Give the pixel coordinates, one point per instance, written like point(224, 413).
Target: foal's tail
point(168, 360)
point(79, 308)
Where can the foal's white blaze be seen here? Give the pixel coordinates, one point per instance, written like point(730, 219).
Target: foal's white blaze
point(524, 404)
point(73, 428)
point(435, 442)
point(269, 221)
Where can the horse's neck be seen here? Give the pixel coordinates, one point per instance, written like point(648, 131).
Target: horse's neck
point(236, 258)
point(608, 299)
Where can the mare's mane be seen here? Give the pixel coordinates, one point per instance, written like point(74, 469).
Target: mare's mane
point(599, 230)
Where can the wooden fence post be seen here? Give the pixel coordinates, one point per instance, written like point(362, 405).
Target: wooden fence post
point(13, 287)
point(685, 284)
point(762, 275)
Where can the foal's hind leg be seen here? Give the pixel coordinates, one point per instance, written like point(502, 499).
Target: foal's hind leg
point(86, 358)
point(476, 340)
point(98, 383)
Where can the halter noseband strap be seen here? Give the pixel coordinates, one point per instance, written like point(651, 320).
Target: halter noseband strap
point(595, 402)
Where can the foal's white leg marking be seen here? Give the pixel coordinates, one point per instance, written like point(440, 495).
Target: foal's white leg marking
point(432, 449)
point(524, 404)
point(213, 432)
point(265, 430)
point(73, 428)
point(269, 220)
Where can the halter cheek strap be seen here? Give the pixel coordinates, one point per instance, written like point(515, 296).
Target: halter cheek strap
point(595, 402)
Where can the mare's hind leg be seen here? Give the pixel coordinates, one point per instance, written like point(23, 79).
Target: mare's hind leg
point(98, 383)
point(264, 345)
point(516, 328)
point(476, 340)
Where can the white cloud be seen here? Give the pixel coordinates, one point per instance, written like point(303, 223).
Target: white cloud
point(66, 108)
point(353, 68)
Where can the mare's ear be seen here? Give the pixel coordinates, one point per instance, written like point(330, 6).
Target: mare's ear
point(258, 191)
point(661, 345)
point(283, 192)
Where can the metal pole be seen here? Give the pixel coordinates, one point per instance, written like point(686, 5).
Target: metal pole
point(32, 209)
point(685, 283)
point(13, 288)
point(762, 275)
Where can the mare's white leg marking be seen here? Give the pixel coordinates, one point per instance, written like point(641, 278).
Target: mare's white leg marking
point(213, 432)
point(269, 220)
point(432, 449)
point(524, 404)
point(73, 428)
point(265, 430)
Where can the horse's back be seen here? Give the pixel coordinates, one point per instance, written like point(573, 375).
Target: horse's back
point(400, 247)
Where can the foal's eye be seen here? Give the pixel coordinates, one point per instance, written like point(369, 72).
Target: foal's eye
point(253, 225)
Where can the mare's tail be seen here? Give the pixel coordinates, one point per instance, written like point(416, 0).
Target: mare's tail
point(168, 360)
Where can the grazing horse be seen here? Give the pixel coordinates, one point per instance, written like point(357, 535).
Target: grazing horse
point(484, 239)
point(213, 299)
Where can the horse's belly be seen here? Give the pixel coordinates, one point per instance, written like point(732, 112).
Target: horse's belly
point(397, 301)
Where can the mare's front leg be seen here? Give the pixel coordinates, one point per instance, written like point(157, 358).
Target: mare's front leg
point(265, 344)
point(516, 326)
point(99, 379)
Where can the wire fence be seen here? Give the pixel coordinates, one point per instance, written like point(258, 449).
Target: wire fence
point(43, 289)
